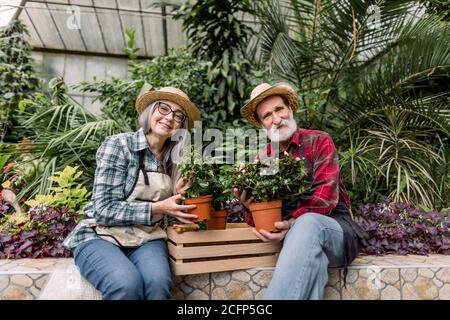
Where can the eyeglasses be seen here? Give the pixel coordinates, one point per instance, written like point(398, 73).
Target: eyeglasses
point(164, 109)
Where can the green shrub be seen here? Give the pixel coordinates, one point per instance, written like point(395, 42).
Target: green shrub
point(18, 78)
point(275, 180)
point(67, 193)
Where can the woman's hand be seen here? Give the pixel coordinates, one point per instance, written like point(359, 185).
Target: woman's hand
point(182, 186)
point(243, 197)
point(171, 207)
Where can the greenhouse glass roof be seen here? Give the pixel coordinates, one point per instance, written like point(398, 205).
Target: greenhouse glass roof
point(96, 26)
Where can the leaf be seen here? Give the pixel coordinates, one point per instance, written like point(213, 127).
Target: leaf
point(8, 95)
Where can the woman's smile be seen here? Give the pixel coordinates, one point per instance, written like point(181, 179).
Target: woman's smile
point(165, 126)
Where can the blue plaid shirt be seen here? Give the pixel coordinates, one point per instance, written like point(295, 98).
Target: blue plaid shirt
point(115, 176)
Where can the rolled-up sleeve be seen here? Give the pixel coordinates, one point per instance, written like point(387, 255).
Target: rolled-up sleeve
point(110, 207)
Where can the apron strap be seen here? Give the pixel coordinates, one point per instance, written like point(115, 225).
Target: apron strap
point(142, 167)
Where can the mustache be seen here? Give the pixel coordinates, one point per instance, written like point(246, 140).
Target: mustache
point(282, 123)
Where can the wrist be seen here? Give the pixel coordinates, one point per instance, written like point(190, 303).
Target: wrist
point(156, 207)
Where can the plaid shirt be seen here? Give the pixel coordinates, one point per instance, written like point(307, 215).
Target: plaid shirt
point(322, 159)
point(115, 176)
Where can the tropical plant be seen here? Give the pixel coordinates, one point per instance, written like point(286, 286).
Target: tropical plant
point(18, 78)
point(438, 7)
point(40, 235)
point(399, 228)
point(359, 65)
point(63, 134)
point(67, 193)
point(394, 160)
point(3, 165)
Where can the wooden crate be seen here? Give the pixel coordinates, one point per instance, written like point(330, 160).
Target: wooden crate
point(219, 250)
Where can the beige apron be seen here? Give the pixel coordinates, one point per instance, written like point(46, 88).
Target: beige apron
point(149, 187)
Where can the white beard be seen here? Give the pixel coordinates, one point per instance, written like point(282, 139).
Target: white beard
point(274, 133)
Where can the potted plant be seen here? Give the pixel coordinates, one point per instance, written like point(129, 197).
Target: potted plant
point(222, 198)
point(200, 176)
point(270, 183)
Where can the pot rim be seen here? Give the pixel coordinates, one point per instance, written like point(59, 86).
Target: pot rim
point(266, 205)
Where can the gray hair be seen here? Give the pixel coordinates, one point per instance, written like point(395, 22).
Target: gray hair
point(170, 146)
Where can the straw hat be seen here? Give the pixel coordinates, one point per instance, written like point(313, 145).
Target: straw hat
point(264, 91)
point(147, 97)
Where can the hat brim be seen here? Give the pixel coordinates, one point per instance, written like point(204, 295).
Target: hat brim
point(146, 99)
point(248, 111)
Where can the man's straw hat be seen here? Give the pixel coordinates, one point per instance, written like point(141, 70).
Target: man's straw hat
point(264, 91)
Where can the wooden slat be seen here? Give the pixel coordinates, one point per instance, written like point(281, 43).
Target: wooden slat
point(237, 225)
point(179, 252)
point(232, 234)
point(222, 265)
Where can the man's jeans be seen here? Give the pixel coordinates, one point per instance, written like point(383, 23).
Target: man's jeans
point(128, 274)
point(312, 244)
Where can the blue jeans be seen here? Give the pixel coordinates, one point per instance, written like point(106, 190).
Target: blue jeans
point(313, 243)
point(126, 274)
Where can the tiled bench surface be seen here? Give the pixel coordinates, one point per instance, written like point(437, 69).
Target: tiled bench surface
point(369, 277)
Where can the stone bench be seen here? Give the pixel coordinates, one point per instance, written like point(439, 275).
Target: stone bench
point(369, 278)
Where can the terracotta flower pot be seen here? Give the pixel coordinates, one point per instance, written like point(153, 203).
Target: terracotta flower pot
point(218, 220)
point(204, 206)
point(265, 214)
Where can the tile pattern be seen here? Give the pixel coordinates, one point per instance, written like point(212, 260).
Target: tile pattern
point(368, 278)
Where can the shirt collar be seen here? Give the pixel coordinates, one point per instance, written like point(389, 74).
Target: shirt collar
point(292, 146)
point(140, 141)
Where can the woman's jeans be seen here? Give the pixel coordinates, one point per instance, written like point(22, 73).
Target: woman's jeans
point(313, 243)
point(128, 274)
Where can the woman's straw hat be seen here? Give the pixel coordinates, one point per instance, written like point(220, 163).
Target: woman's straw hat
point(147, 97)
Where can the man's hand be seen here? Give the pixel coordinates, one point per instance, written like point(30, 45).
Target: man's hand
point(282, 228)
point(245, 199)
point(171, 207)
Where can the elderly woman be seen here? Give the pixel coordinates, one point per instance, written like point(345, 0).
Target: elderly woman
point(121, 247)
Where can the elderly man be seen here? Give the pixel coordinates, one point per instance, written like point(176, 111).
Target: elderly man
point(317, 229)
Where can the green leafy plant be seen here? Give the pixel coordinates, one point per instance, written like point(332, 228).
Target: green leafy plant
point(67, 193)
point(385, 82)
point(222, 187)
point(198, 172)
point(18, 78)
point(63, 134)
point(39, 233)
point(278, 179)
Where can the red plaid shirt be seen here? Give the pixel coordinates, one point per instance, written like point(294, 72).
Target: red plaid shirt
point(321, 154)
